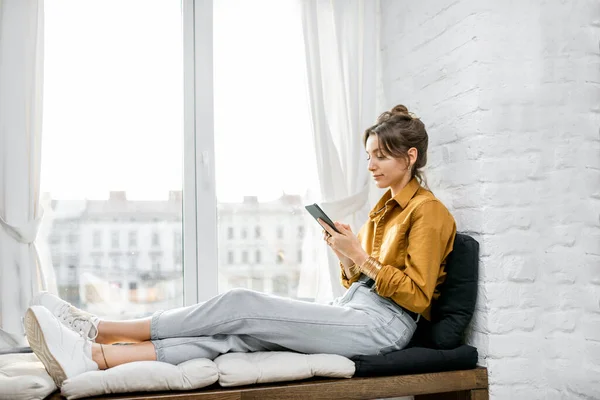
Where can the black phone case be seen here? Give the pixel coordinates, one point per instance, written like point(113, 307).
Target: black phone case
point(317, 213)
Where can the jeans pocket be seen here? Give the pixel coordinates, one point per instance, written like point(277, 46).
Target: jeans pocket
point(399, 336)
point(349, 294)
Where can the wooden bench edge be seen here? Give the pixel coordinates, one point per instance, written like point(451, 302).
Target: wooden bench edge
point(327, 389)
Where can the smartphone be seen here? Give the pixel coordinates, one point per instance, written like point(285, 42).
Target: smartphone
point(317, 213)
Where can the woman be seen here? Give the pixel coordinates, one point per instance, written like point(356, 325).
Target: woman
point(392, 270)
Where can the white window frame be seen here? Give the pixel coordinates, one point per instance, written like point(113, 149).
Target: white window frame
point(199, 195)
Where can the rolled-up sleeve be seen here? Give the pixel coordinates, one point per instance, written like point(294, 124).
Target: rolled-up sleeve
point(430, 240)
point(347, 282)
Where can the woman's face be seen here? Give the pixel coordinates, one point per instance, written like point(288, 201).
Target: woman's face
point(386, 171)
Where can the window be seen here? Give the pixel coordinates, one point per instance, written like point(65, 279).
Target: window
point(73, 260)
point(97, 239)
point(117, 183)
point(280, 232)
point(115, 261)
point(54, 239)
point(230, 259)
point(133, 258)
point(258, 261)
point(244, 233)
point(111, 110)
point(281, 285)
point(115, 239)
point(245, 257)
point(132, 239)
point(96, 262)
point(155, 239)
point(299, 256)
point(301, 232)
point(238, 282)
point(72, 274)
point(258, 283)
point(72, 238)
point(156, 262)
point(230, 233)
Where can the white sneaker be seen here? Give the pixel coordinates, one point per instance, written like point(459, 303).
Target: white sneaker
point(64, 353)
point(77, 320)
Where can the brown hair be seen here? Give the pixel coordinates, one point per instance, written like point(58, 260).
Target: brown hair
point(398, 130)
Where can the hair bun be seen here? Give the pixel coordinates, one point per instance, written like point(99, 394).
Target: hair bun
point(400, 109)
point(400, 112)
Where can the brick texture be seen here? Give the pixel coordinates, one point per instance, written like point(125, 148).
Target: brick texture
point(510, 94)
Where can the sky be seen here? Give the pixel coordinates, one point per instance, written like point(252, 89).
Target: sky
point(113, 99)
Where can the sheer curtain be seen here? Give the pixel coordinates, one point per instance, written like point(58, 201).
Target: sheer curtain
point(21, 78)
point(342, 58)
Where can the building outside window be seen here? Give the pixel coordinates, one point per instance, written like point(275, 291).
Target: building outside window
point(97, 239)
point(115, 239)
point(72, 238)
point(115, 261)
point(279, 258)
point(155, 239)
point(133, 239)
point(281, 285)
point(258, 283)
point(133, 259)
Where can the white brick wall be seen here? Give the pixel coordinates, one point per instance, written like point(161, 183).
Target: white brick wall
point(510, 93)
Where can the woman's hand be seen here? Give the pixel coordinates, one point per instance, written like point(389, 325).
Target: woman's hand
point(346, 262)
point(345, 244)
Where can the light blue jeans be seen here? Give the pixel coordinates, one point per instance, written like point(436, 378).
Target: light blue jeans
point(358, 323)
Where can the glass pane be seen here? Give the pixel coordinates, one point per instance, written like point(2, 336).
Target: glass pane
point(112, 153)
point(265, 163)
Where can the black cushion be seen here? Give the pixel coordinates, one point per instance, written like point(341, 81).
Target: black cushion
point(437, 345)
point(453, 310)
point(416, 360)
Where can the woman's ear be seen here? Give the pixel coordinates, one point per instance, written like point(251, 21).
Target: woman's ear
point(413, 154)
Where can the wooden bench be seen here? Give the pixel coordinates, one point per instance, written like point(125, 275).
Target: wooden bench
point(456, 385)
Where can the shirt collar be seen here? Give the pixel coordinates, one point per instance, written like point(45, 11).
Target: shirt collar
point(407, 193)
point(402, 198)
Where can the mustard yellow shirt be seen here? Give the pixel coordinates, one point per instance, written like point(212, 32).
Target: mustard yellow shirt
point(411, 235)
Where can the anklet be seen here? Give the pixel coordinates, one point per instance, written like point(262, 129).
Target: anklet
point(103, 356)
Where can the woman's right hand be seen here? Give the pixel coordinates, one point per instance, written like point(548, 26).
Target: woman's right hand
point(346, 261)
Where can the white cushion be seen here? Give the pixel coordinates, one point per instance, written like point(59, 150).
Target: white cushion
point(237, 369)
point(22, 376)
point(143, 376)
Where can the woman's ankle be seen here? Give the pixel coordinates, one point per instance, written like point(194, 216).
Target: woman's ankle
point(99, 356)
point(102, 338)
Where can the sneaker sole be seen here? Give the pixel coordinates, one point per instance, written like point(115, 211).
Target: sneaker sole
point(36, 339)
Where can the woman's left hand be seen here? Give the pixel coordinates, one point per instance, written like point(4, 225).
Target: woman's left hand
point(345, 242)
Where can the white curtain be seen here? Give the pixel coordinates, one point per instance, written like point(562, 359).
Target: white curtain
point(21, 76)
point(342, 58)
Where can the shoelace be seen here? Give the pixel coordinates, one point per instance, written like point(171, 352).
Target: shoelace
point(80, 321)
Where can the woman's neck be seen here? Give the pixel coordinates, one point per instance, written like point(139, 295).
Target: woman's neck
point(397, 188)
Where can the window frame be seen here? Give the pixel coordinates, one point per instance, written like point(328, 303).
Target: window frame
point(200, 246)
